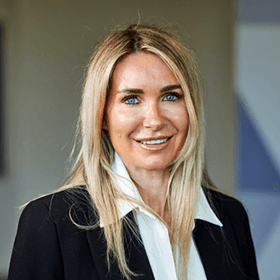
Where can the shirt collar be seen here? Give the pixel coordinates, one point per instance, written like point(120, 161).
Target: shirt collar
point(204, 211)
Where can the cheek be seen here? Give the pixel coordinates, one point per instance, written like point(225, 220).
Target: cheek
point(184, 124)
point(183, 127)
point(120, 123)
point(181, 119)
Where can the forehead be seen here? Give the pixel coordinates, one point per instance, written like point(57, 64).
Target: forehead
point(142, 69)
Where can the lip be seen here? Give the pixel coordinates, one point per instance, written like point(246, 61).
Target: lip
point(153, 138)
point(154, 147)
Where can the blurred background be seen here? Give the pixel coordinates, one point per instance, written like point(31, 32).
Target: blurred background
point(45, 46)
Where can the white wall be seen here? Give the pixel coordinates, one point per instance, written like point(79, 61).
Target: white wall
point(48, 43)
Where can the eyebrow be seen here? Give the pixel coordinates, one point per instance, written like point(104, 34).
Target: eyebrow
point(137, 90)
point(167, 88)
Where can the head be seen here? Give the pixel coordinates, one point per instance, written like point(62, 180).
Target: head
point(117, 46)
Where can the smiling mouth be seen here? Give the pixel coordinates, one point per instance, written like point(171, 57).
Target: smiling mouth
point(154, 142)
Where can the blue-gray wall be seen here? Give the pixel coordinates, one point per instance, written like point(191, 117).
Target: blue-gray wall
point(257, 75)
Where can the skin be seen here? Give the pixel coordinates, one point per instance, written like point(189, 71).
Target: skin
point(146, 102)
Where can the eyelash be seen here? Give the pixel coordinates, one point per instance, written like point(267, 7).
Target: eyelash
point(175, 94)
point(126, 98)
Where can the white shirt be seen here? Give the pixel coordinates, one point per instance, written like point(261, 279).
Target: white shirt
point(155, 234)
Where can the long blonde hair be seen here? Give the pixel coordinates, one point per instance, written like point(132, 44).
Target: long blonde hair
point(93, 164)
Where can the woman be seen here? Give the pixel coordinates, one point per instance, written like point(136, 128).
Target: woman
point(138, 203)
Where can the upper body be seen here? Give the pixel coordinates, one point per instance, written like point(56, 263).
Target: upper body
point(49, 246)
point(142, 101)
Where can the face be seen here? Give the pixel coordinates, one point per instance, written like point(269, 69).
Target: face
point(146, 115)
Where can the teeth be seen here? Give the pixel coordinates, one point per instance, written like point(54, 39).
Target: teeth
point(154, 142)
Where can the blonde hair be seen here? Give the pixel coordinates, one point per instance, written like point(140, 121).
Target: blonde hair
point(93, 163)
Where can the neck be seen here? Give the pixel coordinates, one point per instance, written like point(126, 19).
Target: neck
point(153, 187)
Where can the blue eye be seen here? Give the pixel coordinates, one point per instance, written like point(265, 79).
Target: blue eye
point(171, 97)
point(131, 101)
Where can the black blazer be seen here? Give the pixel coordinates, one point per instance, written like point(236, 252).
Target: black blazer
point(48, 246)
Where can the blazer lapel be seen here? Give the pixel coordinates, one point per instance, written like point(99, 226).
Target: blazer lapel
point(220, 260)
point(135, 253)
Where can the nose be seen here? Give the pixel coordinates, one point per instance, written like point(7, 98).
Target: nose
point(153, 117)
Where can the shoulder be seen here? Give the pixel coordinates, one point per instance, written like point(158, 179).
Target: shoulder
point(49, 239)
point(236, 229)
point(59, 207)
point(226, 206)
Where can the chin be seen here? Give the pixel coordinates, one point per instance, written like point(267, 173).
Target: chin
point(155, 165)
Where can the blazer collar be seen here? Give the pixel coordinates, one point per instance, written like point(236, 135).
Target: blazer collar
point(218, 247)
point(218, 250)
point(135, 253)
